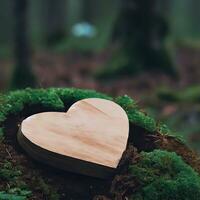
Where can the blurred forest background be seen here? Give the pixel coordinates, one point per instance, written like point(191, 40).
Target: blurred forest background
point(147, 49)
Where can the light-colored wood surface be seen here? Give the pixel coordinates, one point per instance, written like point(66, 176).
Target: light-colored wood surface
point(93, 130)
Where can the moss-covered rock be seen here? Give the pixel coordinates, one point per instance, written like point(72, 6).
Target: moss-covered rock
point(160, 174)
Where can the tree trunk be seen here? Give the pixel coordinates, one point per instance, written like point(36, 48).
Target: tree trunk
point(141, 29)
point(54, 20)
point(88, 10)
point(23, 76)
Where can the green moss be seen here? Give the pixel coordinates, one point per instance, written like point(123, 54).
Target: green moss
point(8, 172)
point(136, 116)
point(47, 190)
point(15, 194)
point(20, 191)
point(1, 134)
point(164, 175)
point(51, 99)
point(71, 95)
point(163, 129)
point(126, 102)
point(142, 120)
point(17, 100)
point(17, 188)
point(58, 99)
point(6, 196)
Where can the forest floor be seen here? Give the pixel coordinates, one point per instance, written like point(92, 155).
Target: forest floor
point(77, 70)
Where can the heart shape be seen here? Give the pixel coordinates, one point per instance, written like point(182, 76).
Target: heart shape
point(89, 139)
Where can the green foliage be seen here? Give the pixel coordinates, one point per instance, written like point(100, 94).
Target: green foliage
point(6, 196)
point(164, 175)
point(18, 189)
point(15, 194)
point(8, 172)
point(189, 95)
point(47, 190)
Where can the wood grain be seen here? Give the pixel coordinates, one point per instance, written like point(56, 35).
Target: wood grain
point(93, 130)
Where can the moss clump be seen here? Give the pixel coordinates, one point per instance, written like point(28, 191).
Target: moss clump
point(8, 172)
point(58, 99)
point(1, 133)
point(164, 175)
point(16, 101)
point(7, 196)
point(17, 189)
point(70, 95)
point(15, 194)
point(136, 116)
point(50, 99)
point(48, 191)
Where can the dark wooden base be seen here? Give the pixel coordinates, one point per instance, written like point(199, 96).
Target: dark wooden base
point(63, 162)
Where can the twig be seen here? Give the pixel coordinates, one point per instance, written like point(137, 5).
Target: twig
point(8, 153)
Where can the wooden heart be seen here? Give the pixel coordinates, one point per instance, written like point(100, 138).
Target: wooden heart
point(89, 139)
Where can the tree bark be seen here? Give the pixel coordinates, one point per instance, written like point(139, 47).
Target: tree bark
point(88, 10)
point(23, 76)
point(54, 19)
point(141, 29)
